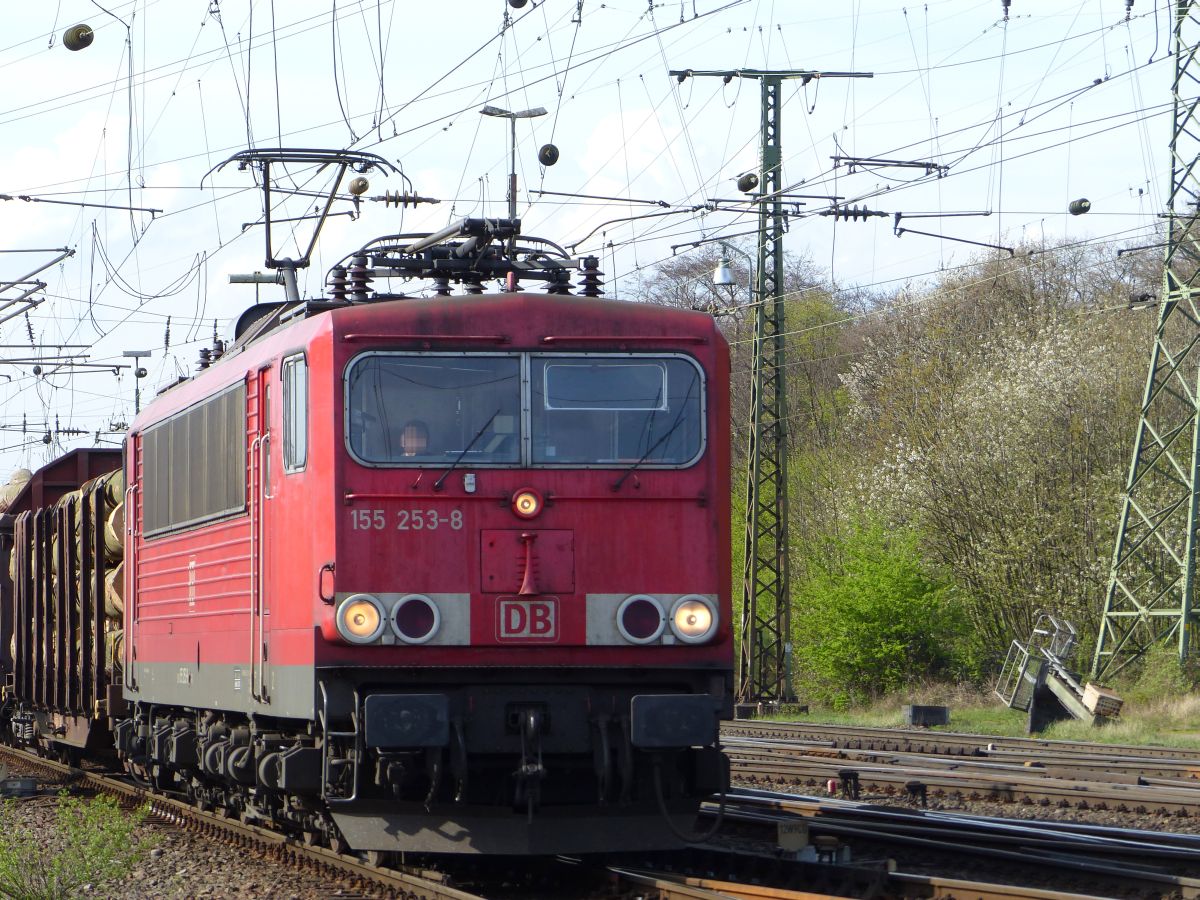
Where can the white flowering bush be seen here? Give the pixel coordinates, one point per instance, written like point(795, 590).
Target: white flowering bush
point(998, 421)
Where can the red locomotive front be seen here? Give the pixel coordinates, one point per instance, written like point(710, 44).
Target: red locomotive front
point(449, 574)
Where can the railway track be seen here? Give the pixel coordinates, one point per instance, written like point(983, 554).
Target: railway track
point(1032, 854)
point(959, 767)
point(944, 743)
point(901, 853)
point(364, 878)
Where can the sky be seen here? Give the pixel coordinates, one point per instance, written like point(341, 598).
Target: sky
point(118, 146)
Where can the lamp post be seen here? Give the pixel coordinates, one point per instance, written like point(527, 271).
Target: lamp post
point(138, 374)
point(723, 275)
point(512, 117)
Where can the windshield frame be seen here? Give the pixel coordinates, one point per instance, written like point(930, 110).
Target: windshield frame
point(526, 361)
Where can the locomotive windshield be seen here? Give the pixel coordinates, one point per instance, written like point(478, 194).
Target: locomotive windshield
point(583, 410)
point(424, 409)
point(589, 410)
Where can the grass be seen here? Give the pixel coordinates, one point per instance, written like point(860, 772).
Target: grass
point(1172, 721)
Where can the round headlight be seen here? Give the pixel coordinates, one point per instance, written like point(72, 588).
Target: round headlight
point(360, 619)
point(640, 619)
point(693, 619)
point(527, 503)
point(415, 619)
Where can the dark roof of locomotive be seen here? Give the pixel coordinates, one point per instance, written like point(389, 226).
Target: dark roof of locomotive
point(523, 316)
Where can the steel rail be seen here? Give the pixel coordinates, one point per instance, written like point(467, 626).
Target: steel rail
point(1112, 768)
point(1161, 846)
point(843, 823)
point(1029, 789)
point(806, 806)
point(680, 887)
point(940, 742)
point(281, 847)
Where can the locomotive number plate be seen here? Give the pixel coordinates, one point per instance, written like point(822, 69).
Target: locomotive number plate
point(527, 620)
point(406, 519)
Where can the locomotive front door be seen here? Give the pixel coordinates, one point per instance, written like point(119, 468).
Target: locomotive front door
point(259, 436)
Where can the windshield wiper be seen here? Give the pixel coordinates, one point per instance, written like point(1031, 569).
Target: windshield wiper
point(437, 485)
point(670, 431)
point(645, 456)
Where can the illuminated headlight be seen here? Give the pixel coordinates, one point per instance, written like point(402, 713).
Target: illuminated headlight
point(693, 619)
point(641, 619)
point(360, 619)
point(415, 619)
point(527, 503)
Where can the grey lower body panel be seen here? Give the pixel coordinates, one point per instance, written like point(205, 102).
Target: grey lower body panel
point(381, 826)
point(290, 690)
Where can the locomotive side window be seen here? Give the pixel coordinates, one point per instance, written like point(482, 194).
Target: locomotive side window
point(294, 373)
point(597, 410)
point(194, 464)
point(415, 409)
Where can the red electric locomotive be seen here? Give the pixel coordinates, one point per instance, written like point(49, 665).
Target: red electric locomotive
point(445, 574)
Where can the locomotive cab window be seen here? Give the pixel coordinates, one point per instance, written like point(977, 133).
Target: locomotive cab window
point(410, 409)
point(600, 410)
point(294, 373)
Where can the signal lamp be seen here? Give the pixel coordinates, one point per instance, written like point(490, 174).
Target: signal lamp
point(416, 619)
point(693, 620)
point(640, 619)
point(526, 503)
point(359, 619)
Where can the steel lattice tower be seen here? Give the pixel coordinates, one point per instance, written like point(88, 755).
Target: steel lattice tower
point(766, 643)
point(1152, 583)
point(765, 646)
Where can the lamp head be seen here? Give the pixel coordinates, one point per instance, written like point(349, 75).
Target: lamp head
point(723, 275)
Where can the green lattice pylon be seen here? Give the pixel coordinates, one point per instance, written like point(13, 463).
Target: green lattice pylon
point(1151, 594)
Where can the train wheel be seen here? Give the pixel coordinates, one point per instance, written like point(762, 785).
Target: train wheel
point(377, 858)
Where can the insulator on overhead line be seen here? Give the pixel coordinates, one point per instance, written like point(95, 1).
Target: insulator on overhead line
point(77, 37)
point(337, 283)
point(593, 285)
point(559, 282)
point(360, 279)
point(402, 199)
point(852, 213)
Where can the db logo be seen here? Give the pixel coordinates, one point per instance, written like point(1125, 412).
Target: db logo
point(528, 620)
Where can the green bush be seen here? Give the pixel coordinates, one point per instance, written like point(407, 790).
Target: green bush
point(871, 618)
point(94, 845)
point(1158, 676)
